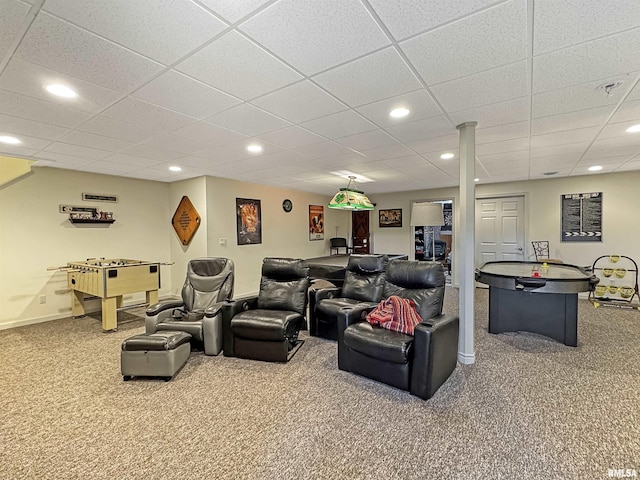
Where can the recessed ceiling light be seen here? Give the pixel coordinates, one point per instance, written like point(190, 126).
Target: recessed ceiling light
point(447, 156)
point(254, 148)
point(399, 112)
point(476, 179)
point(61, 91)
point(10, 140)
point(175, 168)
point(634, 128)
point(595, 168)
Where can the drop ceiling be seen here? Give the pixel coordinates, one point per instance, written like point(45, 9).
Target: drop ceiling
point(184, 83)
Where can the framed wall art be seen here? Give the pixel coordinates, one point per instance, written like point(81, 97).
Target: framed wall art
point(248, 221)
point(391, 217)
point(316, 222)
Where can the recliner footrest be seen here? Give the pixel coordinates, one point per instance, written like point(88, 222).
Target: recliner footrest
point(159, 354)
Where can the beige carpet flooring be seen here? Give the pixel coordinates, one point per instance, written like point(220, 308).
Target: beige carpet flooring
point(530, 408)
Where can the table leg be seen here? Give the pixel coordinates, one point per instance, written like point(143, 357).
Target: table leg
point(109, 313)
point(77, 303)
point(152, 297)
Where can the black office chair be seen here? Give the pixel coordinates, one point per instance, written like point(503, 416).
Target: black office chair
point(337, 243)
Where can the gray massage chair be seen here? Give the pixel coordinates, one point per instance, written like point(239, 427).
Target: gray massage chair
point(208, 285)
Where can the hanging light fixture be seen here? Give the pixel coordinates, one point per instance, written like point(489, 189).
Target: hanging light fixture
point(350, 198)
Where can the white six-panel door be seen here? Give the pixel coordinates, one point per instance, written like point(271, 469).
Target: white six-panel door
point(500, 233)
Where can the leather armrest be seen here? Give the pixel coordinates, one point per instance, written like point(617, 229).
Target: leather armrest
point(435, 355)
point(229, 310)
point(213, 310)
point(322, 293)
point(156, 308)
point(348, 316)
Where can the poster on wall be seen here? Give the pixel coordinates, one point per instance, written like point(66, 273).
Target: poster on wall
point(447, 213)
point(248, 221)
point(316, 222)
point(582, 217)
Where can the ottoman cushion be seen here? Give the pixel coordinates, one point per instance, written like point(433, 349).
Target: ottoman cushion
point(163, 340)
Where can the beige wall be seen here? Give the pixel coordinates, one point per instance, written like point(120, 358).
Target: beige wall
point(621, 229)
point(34, 235)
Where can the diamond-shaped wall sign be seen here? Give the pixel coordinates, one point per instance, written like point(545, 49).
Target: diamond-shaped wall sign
point(186, 220)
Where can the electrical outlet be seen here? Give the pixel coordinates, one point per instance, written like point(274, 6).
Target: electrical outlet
point(222, 241)
point(43, 299)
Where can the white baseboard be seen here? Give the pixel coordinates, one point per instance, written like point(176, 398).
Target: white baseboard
point(466, 358)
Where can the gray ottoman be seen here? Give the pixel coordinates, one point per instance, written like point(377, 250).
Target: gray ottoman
point(159, 354)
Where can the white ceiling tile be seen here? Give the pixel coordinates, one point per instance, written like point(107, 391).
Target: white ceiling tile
point(418, 102)
point(109, 168)
point(369, 79)
point(493, 86)
point(628, 166)
point(567, 149)
point(563, 137)
point(138, 162)
point(153, 153)
point(232, 152)
point(480, 42)
point(339, 124)
point(78, 151)
point(426, 128)
point(335, 31)
point(571, 99)
point(233, 11)
point(604, 160)
point(602, 59)
point(570, 121)
point(153, 28)
point(299, 103)
point(617, 145)
point(131, 110)
point(55, 44)
point(414, 16)
point(176, 143)
point(443, 143)
point(13, 14)
point(291, 137)
point(502, 132)
point(23, 126)
point(620, 130)
point(345, 161)
point(628, 111)
point(501, 113)
point(409, 160)
point(95, 141)
point(109, 127)
point(367, 140)
point(385, 153)
point(322, 149)
point(29, 79)
point(212, 135)
point(15, 150)
point(233, 64)
point(30, 108)
point(182, 94)
point(199, 162)
point(512, 145)
point(560, 24)
point(64, 160)
point(247, 119)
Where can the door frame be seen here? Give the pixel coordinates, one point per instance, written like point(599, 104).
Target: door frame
point(454, 235)
point(525, 211)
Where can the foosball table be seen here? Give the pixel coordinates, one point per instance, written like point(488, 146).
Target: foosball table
point(110, 279)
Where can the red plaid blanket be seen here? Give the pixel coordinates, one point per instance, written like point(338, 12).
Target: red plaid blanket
point(395, 313)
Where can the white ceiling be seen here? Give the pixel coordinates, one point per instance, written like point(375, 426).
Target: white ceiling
point(191, 83)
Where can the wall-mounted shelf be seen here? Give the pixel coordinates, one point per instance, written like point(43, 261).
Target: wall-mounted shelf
point(90, 220)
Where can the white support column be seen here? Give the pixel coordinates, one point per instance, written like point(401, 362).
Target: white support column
point(466, 254)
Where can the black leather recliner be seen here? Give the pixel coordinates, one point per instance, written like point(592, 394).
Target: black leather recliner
point(266, 326)
point(363, 282)
point(420, 363)
point(208, 284)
